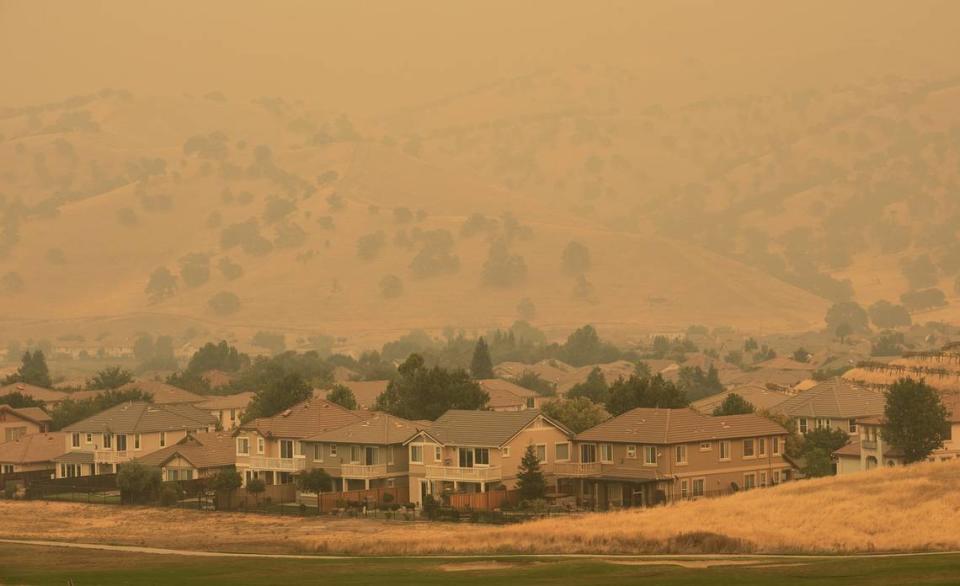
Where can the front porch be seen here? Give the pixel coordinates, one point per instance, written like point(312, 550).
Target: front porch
point(601, 494)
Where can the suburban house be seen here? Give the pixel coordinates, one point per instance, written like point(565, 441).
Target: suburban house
point(121, 433)
point(868, 450)
point(762, 397)
point(15, 423)
point(49, 397)
point(199, 454)
point(273, 448)
point(228, 409)
point(507, 396)
point(473, 451)
point(646, 456)
point(368, 453)
point(836, 403)
point(162, 393)
point(31, 452)
point(365, 392)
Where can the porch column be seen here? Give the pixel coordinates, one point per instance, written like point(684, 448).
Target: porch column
point(343, 484)
point(276, 477)
point(366, 484)
point(483, 487)
point(456, 486)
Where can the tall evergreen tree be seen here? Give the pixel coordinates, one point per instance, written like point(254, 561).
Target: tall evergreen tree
point(530, 480)
point(419, 392)
point(481, 366)
point(33, 370)
point(733, 404)
point(916, 419)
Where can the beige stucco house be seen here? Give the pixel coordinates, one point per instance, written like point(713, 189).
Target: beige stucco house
point(31, 452)
point(49, 397)
point(507, 396)
point(199, 454)
point(836, 403)
point(473, 451)
point(16, 423)
point(647, 456)
point(228, 409)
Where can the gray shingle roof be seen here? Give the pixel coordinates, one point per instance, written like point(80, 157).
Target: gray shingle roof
point(836, 398)
point(480, 428)
point(144, 418)
point(673, 426)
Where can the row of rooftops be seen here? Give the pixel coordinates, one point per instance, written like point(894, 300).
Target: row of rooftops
point(163, 394)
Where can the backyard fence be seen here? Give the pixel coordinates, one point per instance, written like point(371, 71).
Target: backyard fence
point(484, 501)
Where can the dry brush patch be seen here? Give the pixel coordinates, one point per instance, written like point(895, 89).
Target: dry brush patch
point(902, 509)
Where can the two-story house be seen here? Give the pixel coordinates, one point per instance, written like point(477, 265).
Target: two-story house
point(16, 423)
point(49, 397)
point(647, 456)
point(28, 453)
point(836, 403)
point(98, 444)
point(368, 453)
point(228, 409)
point(473, 451)
point(273, 449)
point(507, 396)
point(199, 454)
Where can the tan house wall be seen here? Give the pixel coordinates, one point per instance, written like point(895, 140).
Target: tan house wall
point(12, 427)
point(227, 422)
point(29, 467)
point(811, 424)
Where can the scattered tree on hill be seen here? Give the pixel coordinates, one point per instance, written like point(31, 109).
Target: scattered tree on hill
point(224, 303)
point(18, 400)
point(315, 480)
point(924, 299)
point(848, 313)
point(343, 396)
point(33, 370)
point(229, 269)
point(534, 382)
point(155, 354)
point(816, 450)
point(220, 356)
point(11, 283)
point(637, 391)
point(575, 258)
point(138, 484)
point(275, 343)
point(391, 287)
point(369, 246)
point(584, 347)
point(915, 419)
point(920, 272)
point(111, 377)
point(594, 388)
point(162, 284)
point(528, 311)
point(801, 355)
point(530, 481)
point(750, 345)
point(888, 344)
point(843, 331)
point(502, 269)
point(733, 404)
point(419, 392)
point(886, 315)
point(577, 414)
point(481, 366)
point(279, 395)
point(195, 269)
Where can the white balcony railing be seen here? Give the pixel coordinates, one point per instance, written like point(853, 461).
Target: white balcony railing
point(110, 456)
point(576, 468)
point(362, 470)
point(486, 474)
point(280, 464)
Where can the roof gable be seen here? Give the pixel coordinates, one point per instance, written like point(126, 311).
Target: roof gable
point(672, 426)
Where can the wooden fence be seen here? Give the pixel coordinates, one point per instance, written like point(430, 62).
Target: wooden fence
point(371, 498)
point(484, 501)
point(23, 479)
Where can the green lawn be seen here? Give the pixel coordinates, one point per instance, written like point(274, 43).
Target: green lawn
point(37, 566)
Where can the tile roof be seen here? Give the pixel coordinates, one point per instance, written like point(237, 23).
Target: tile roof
point(137, 417)
point(163, 394)
point(33, 448)
point(34, 392)
point(213, 449)
point(75, 458)
point(33, 414)
point(505, 393)
point(851, 449)
point(480, 428)
point(380, 428)
point(672, 426)
point(364, 391)
point(757, 395)
point(304, 420)
point(235, 401)
point(834, 398)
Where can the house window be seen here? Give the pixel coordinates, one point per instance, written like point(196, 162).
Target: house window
point(389, 455)
point(354, 454)
point(684, 488)
point(108, 441)
point(852, 426)
point(606, 453)
point(75, 440)
point(89, 438)
point(650, 455)
point(632, 452)
point(725, 450)
point(6, 469)
point(776, 446)
point(749, 481)
point(698, 486)
point(748, 448)
point(317, 452)
point(136, 441)
point(776, 477)
point(763, 478)
point(681, 454)
point(762, 446)
point(438, 453)
point(823, 423)
point(233, 415)
point(416, 454)
point(188, 474)
point(562, 452)
point(333, 450)
point(588, 453)
point(802, 425)
point(482, 457)
point(286, 449)
point(163, 438)
point(262, 445)
point(243, 446)
point(530, 403)
point(173, 475)
point(706, 446)
point(541, 451)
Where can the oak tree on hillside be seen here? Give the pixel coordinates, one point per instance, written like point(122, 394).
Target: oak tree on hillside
point(280, 394)
point(575, 258)
point(419, 392)
point(733, 404)
point(578, 414)
point(849, 314)
point(111, 377)
point(637, 391)
point(162, 284)
point(481, 365)
point(916, 421)
point(343, 396)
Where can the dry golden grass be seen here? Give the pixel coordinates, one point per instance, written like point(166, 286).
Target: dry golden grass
point(902, 509)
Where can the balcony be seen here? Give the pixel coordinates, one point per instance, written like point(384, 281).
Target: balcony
point(110, 456)
point(363, 471)
point(277, 464)
point(576, 469)
point(868, 444)
point(455, 473)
